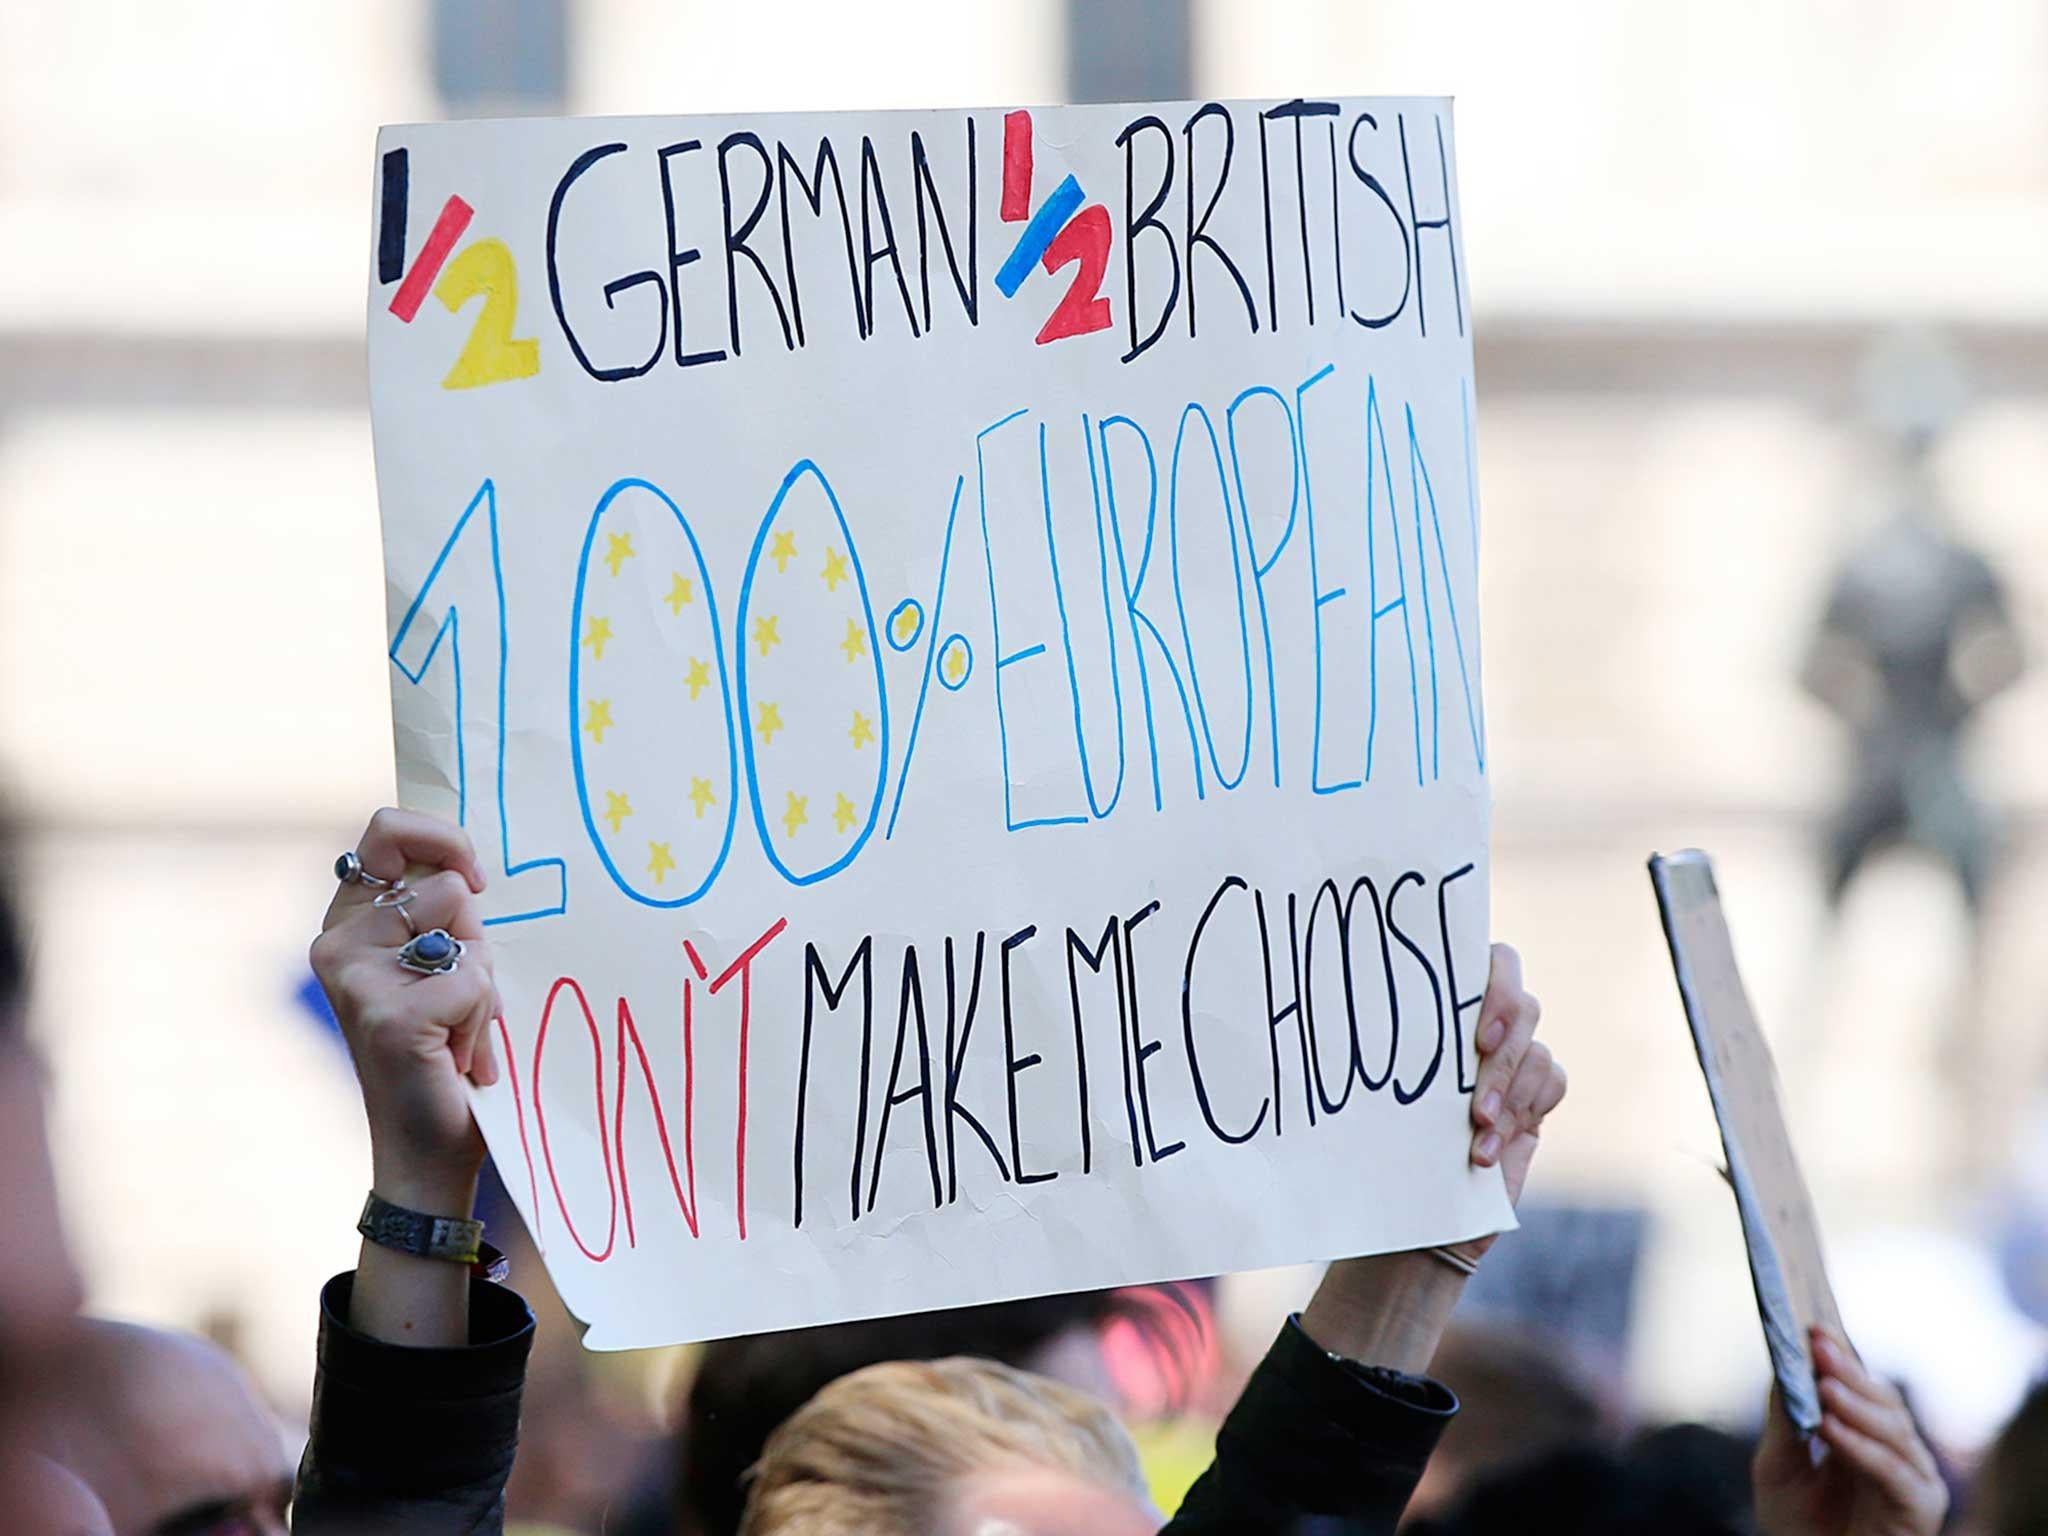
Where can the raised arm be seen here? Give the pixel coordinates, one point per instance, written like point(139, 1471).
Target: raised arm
point(1338, 1421)
point(416, 1407)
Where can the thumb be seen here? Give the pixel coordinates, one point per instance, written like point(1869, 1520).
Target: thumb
point(1780, 1455)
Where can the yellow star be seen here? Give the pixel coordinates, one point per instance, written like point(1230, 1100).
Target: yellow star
point(835, 569)
point(701, 795)
point(618, 549)
point(782, 551)
point(856, 642)
point(863, 730)
point(764, 633)
point(768, 721)
point(659, 861)
point(956, 663)
point(843, 813)
point(679, 593)
point(698, 680)
point(907, 622)
point(595, 634)
point(597, 719)
point(796, 815)
point(616, 809)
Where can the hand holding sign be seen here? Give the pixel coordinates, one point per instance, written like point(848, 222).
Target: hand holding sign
point(416, 1040)
point(1878, 1478)
point(1391, 1309)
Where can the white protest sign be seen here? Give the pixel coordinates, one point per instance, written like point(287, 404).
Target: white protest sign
point(956, 636)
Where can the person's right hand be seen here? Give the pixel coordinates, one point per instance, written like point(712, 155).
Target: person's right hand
point(1878, 1477)
point(414, 1038)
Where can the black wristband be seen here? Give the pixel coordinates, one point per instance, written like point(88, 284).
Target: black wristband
point(453, 1239)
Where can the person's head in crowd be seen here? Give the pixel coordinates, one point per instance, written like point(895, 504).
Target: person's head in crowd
point(1686, 1480)
point(949, 1448)
point(170, 1433)
point(45, 1499)
point(2011, 1493)
point(39, 1287)
point(745, 1388)
point(1522, 1397)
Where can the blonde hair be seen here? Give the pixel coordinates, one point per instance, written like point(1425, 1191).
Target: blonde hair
point(875, 1453)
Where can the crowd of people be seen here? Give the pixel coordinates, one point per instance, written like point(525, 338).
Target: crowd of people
point(1374, 1407)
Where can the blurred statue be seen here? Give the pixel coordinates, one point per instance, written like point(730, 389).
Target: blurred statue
point(1915, 638)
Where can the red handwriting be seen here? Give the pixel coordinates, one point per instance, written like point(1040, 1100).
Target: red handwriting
point(611, 1136)
point(1082, 308)
point(744, 969)
point(629, 1031)
point(540, 1116)
point(1016, 166)
point(519, 1114)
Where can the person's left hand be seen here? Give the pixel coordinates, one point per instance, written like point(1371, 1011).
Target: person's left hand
point(1520, 1082)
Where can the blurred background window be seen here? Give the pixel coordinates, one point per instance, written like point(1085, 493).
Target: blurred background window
point(500, 56)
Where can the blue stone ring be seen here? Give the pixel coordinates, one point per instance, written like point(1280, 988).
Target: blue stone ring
point(348, 869)
point(433, 953)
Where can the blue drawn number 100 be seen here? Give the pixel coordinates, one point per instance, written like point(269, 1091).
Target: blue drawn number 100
point(538, 887)
point(533, 887)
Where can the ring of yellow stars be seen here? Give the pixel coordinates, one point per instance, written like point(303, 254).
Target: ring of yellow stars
point(908, 620)
point(783, 550)
point(699, 678)
point(863, 730)
point(843, 813)
point(856, 642)
point(767, 721)
point(679, 593)
point(796, 813)
point(618, 549)
point(764, 633)
point(595, 634)
point(701, 795)
point(616, 809)
point(835, 569)
point(597, 719)
point(659, 861)
point(956, 663)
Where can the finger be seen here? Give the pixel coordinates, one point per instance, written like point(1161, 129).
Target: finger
point(1868, 1402)
point(1553, 1091)
point(1497, 1069)
point(1837, 1357)
point(483, 1066)
point(444, 900)
point(396, 842)
point(1538, 1088)
point(387, 1012)
point(466, 1031)
point(395, 839)
point(1532, 1077)
point(1503, 987)
point(1883, 1422)
point(1780, 1453)
point(1876, 1461)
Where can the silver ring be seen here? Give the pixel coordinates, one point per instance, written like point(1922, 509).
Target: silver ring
point(433, 953)
point(348, 869)
point(396, 899)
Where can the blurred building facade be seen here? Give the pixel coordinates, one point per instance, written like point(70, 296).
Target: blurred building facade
point(1685, 223)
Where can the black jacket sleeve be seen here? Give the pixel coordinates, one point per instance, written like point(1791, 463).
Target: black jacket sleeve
point(1317, 1443)
point(413, 1440)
